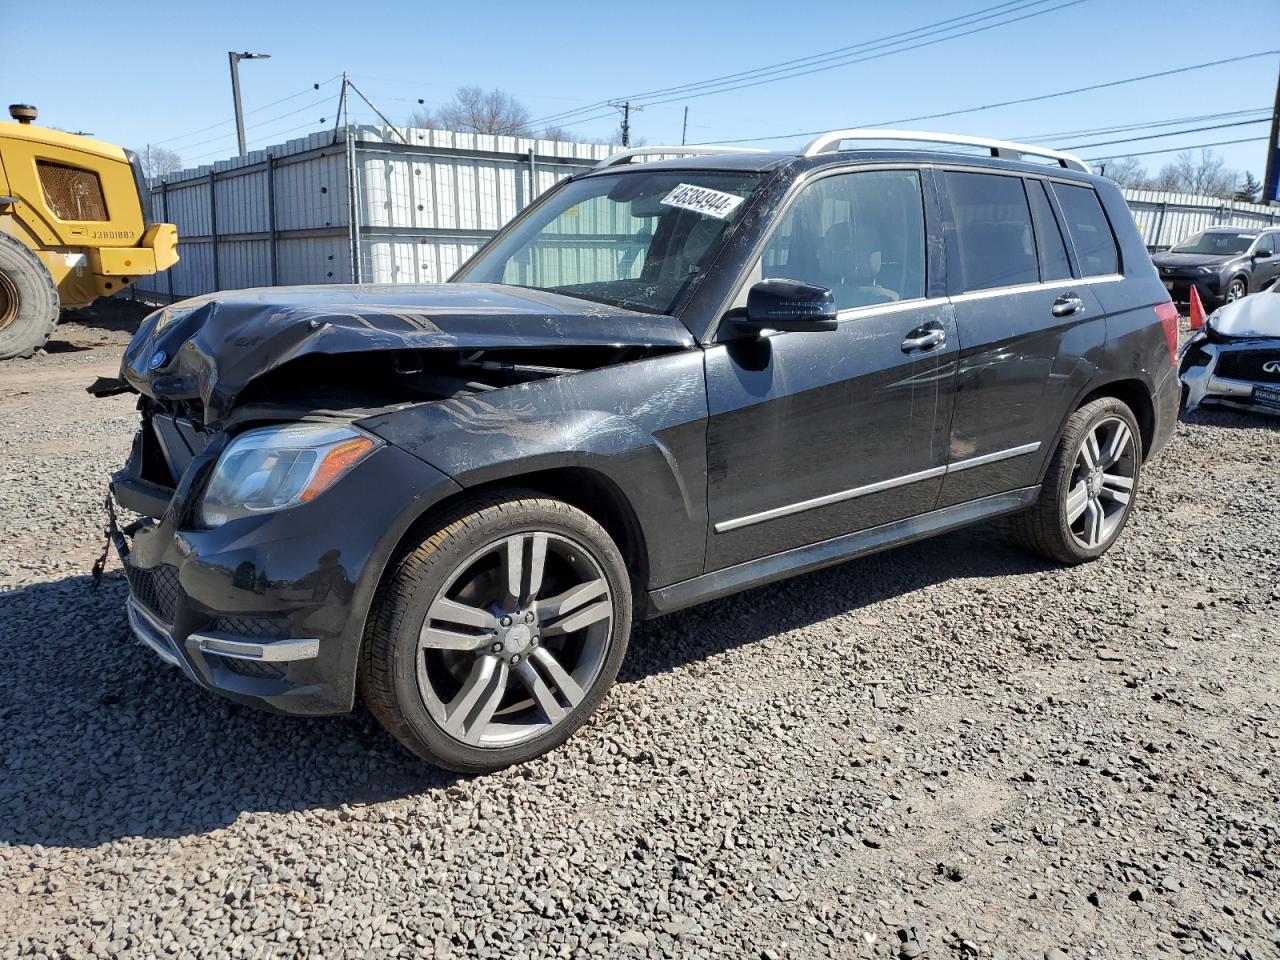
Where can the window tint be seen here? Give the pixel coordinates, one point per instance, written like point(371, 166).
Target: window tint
point(1089, 229)
point(993, 226)
point(1266, 244)
point(860, 234)
point(1054, 264)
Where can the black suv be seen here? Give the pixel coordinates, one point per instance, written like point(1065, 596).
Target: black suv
point(1223, 264)
point(665, 381)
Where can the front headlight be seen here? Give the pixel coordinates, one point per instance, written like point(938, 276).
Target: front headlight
point(277, 467)
point(1207, 269)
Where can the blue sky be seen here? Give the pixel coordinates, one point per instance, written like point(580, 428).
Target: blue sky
point(159, 73)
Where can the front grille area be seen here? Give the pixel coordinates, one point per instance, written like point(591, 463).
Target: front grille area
point(180, 442)
point(1249, 365)
point(156, 589)
point(72, 193)
point(259, 628)
point(253, 668)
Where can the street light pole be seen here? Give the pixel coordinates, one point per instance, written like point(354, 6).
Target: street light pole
point(234, 59)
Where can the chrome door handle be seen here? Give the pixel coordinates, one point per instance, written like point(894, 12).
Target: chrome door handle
point(1067, 304)
point(925, 340)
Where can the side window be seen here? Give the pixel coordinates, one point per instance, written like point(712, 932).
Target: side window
point(1266, 244)
point(1054, 264)
point(1090, 231)
point(993, 227)
point(860, 234)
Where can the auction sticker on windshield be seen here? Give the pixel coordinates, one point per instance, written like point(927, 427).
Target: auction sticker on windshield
point(713, 203)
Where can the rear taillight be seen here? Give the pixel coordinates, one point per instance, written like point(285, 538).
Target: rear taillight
point(1167, 314)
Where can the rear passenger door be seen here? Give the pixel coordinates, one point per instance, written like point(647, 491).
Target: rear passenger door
point(1026, 321)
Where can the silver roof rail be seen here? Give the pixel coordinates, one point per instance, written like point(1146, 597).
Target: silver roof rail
point(999, 148)
point(624, 156)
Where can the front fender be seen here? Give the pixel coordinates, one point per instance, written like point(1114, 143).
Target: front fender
point(642, 425)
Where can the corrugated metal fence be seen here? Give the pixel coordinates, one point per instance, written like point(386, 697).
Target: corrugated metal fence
point(286, 216)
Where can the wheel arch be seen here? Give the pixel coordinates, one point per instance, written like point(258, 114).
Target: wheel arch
point(1134, 394)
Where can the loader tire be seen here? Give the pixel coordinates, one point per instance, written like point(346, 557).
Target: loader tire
point(28, 301)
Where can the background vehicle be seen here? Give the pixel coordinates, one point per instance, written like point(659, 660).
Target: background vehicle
point(1234, 361)
point(73, 227)
point(1223, 264)
point(662, 383)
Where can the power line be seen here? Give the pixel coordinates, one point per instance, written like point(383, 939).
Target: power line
point(1021, 100)
point(1185, 146)
point(223, 123)
point(1146, 125)
point(1171, 133)
point(842, 56)
point(260, 123)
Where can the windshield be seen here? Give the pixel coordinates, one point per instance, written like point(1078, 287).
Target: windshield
point(1216, 242)
point(634, 239)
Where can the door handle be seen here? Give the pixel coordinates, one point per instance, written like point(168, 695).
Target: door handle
point(1067, 304)
point(924, 338)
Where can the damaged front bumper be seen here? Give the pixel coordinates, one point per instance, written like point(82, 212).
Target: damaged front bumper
point(1238, 376)
point(266, 610)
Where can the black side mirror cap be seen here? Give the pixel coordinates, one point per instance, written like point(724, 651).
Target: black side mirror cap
point(788, 306)
point(1262, 254)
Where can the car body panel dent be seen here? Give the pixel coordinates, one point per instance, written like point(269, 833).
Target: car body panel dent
point(642, 425)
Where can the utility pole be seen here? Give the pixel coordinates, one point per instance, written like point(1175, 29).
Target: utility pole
point(626, 109)
point(234, 59)
point(684, 130)
point(1271, 180)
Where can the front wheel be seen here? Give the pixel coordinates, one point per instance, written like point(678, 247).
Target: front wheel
point(28, 301)
point(1238, 289)
point(496, 638)
point(1090, 487)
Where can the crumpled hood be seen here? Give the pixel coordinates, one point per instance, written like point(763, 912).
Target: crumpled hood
point(1257, 315)
point(210, 348)
point(1168, 259)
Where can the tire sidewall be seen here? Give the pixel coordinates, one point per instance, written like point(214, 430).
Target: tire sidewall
point(535, 516)
point(1082, 423)
point(37, 301)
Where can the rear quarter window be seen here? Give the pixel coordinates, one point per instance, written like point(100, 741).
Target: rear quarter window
point(1090, 230)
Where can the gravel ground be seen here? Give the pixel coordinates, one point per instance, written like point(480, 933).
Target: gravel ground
point(946, 750)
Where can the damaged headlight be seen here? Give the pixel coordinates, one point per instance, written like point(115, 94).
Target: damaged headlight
point(276, 467)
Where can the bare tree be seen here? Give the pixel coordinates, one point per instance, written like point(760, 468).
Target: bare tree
point(158, 161)
point(1205, 174)
point(1125, 171)
point(475, 110)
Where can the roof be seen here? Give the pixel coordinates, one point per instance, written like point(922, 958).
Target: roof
point(72, 141)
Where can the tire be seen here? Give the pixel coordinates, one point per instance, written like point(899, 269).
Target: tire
point(28, 301)
point(1059, 527)
point(1237, 289)
point(499, 674)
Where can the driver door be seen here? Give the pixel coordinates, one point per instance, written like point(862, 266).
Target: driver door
point(814, 435)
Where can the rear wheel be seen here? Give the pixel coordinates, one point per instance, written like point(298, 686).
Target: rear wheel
point(499, 635)
point(1090, 486)
point(28, 301)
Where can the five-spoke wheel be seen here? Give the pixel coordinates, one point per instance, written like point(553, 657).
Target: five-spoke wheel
point(1089, 486)
point(499, 634)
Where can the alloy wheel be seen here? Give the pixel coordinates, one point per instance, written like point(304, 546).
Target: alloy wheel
point(1102, 482)
point(514, 640)
point(1236, 291)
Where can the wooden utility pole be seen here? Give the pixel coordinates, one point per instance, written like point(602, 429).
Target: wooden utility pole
point(1271, 180)
point(684, 131)
point(626, 109)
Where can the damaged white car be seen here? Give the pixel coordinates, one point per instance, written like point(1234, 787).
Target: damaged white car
point(1234, 361)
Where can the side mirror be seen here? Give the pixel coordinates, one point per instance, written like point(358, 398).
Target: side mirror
point(1262, 254)
point(788, 306)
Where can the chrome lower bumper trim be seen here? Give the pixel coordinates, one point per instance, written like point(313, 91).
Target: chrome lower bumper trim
point(274, 651)
point(152, 633)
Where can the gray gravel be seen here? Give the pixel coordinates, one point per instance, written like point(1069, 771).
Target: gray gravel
point(947, 750)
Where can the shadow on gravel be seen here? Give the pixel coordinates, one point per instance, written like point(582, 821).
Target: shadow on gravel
point(100, 740)
point(1219, 417)
point(700, 632)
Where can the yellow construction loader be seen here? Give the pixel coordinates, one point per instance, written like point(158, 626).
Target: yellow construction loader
point(73, 227)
